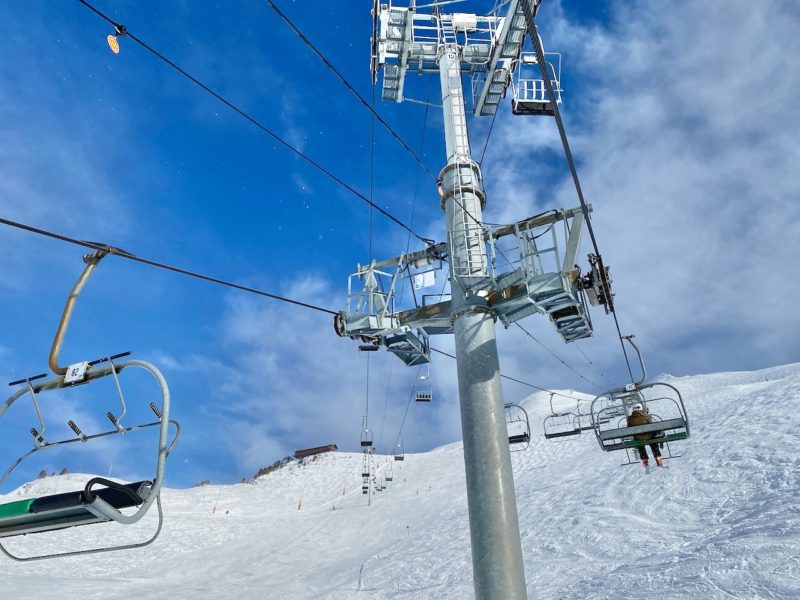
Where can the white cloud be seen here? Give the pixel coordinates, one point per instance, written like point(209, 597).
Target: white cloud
point(684, 130)
point(286, 381)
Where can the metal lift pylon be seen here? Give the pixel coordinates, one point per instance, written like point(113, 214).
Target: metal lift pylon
point(494, 525)
point(540, 279)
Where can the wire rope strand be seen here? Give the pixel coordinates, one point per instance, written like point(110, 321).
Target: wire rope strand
point(422, 151)
point(347, 84)
point(372, 172)
point(408, 405)
point(557, 357)
point(159, 265)
point(408, 245)
point(366, 409)
point(255, 122)
point(514, 379)
point(386, 400)
point(589, 360)
point(488, 136)
point(215, 280)
point(533, 33)
point(371, 192)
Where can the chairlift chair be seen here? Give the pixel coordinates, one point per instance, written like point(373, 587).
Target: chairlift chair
point(662, 401)
point(90, 505)
point(366, 436)
point(529, 93)
point(560, 425)
point(422, 387)
point(519, 427)
point(399, 454)
point(369, 345)
point(365, 468)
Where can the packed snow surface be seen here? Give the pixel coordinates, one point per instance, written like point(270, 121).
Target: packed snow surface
point(723, 521)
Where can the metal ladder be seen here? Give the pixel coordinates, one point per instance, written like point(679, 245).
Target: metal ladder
point(447, 31)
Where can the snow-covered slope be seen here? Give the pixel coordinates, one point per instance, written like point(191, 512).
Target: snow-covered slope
point(722, 522)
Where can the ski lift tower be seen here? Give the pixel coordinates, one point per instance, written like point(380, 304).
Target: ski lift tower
point(489, 50)
point(448, 44)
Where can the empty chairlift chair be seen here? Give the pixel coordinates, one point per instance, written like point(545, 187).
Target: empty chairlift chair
point(529, 93)
point(366, 439)
point(101, 500)
point(519, 427)
point(399, 454)
point(365, 474)
point(389, 476)
point(422, 388)
point(366, 436)
point(560, 425)
point(365, 468)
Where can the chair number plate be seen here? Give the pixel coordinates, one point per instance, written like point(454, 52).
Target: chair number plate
point(76, 372)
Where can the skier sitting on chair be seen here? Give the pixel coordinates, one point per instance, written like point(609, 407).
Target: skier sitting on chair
point(639, 417)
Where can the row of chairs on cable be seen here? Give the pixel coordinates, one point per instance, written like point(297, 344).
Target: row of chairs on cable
point(369, 473)
point(564, 424)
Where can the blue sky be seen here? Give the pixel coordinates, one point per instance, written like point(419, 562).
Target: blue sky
point(686, 148)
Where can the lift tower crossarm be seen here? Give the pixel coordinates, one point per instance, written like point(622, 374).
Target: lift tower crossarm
point(506, 49)
point(426, 256)
point(552, 216)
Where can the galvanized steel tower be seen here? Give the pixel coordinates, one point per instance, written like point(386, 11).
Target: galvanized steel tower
point(489, 50)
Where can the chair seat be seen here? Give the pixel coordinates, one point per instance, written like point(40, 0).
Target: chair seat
point(566, 433)
point(519, 439)
point(655, 427)
point(634, 443)
point(68, 509)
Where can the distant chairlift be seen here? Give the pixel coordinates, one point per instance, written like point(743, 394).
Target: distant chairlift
point(389, 474)
point(365, 473)
point(424, 390)
point(399, 454)
point(365, 468)
point(90, 505)
point(560, 425)
point(519, 427)
point(662, 401)
point(366, 436)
